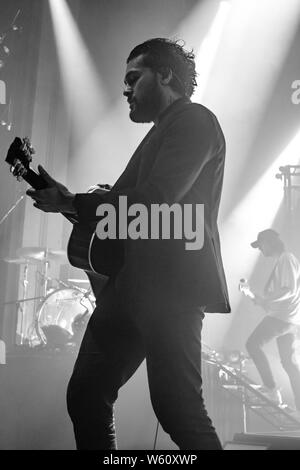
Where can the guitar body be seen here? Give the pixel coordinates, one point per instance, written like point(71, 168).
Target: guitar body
point(79, 246)
point(87, 252)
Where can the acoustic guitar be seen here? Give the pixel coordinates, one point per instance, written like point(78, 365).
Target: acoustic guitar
point(85, 250)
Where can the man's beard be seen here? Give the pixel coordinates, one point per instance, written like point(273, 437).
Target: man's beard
point(148, 107)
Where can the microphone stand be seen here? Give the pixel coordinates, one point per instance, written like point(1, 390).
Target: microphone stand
point(25, 279)
point(11, 209)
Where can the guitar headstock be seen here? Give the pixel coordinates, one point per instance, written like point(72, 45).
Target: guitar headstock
point(19, 157)
point(20, 151)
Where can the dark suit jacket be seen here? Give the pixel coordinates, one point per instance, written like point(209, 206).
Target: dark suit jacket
point(179, 161)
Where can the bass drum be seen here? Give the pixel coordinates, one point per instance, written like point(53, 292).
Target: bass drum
point(63, 316)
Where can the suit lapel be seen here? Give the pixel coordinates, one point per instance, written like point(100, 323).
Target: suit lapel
point(128, 178)
point(143, 158)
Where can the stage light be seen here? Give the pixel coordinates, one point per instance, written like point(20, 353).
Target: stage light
point(244, 36)
point(259, 207)
point(207, 52)
point(82, 86)
point(8, 125)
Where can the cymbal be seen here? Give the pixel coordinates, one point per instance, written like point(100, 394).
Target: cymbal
point(79, 281)
point(43, 254)
point(20, 260)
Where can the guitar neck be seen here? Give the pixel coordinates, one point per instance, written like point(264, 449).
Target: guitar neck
point(34, 179)
point(20, 152)
point(37, 182)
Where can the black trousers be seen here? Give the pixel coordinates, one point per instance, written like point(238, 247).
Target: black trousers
point(114, 345)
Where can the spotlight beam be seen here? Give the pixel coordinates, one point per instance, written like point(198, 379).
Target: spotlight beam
point(82, 86)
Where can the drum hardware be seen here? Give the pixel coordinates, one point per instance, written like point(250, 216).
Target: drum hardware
point(63, 310)
point(36, 255)
point(27, 262)
point(62, 283)
point(50, 284)
point(22, 195)
point(19, 261)
point(12, 208)
point(28, 256)
point(79, 281)
point(62, 317)
point(39, 257)
point(20, 305)
point(18, 301)
point(43, 254)
point(23, 305)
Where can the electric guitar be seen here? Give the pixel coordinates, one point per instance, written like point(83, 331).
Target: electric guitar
point(245, 289)
point(85, 250)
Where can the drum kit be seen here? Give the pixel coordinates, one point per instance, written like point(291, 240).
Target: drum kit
point(63, 309)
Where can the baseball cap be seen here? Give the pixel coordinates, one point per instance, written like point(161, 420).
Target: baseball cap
point(267, 235)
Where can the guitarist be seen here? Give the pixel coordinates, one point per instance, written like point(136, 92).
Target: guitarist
point(281, 301)
point(154, 305)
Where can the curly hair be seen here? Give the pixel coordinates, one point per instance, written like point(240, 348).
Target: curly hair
point(163, 55)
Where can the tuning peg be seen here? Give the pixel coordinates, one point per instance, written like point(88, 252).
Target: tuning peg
point(28, 144)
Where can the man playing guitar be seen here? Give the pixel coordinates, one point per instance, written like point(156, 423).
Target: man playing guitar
point(281, 302)
point(158, 292)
